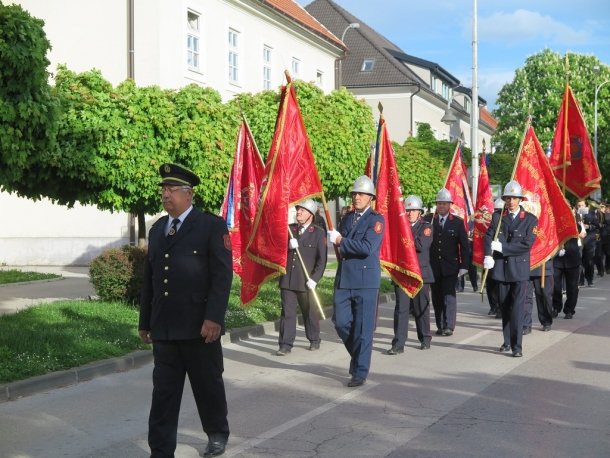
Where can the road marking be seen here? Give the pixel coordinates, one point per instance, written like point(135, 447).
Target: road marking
point(298, 420)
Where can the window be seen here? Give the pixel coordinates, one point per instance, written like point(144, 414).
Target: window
point(296, 67)
point(266, 67)
point(367, 65)
point(466, 105)
point(233, 56)
point(433, 81)
point(192, 41)
point(319, 78)
point(445, 90)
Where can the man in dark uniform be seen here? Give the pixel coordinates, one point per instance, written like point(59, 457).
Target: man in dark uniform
point(185, 293)
point(358, 277)
point(508, 258)
point(605, 235)
point(591, 224)
point(566, 268)
point(309, 241)
point(491, 285)
point(422, 235)
point(449, 259)
point(543, 295)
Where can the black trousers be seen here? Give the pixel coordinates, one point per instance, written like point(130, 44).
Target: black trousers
point(204, 365)
point(444, 301)
point(288, 319)
point(544, 300)
point(421, 311)
point(512, 301)
point(570, 275)
point(492, 294)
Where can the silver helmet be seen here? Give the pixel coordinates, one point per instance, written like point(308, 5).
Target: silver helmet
point(308, 205)
point(444, 196)
point(364, 185)
point(499, 204)
point(413, 203)
point(512, 189)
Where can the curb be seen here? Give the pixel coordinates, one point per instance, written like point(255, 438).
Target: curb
point(32, 282)
point(61, 379)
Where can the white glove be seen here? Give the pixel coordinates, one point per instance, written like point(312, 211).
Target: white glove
point(293, 244)
point(583, 233)
point(496, 246)
point(333, 235)
point(488, 262)
point(561, 252)
point(462, 272)
point(311, 284)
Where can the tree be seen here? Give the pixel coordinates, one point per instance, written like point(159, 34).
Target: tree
point(27, 109)
point(538, 88)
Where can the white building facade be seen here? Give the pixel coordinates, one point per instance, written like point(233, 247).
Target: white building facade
point(232, 46)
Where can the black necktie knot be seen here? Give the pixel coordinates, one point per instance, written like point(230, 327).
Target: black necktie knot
point(174, 227)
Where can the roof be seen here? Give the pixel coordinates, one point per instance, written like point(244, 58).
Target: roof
point(486, 117)
point(363, 43)
point(298, 14)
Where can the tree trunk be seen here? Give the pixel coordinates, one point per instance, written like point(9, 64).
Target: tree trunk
point(141, 230)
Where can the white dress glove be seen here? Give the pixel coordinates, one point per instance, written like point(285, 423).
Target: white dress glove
point(293, 244)
point(333, 235)
point(462, 272)
point(561, 252)
point(311, 284)
point(488, 262)
point(496, 246)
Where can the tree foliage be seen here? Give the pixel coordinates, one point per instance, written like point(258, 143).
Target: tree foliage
point(27, 109)
point(538, 88)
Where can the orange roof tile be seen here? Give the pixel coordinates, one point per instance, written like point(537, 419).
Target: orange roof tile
point(298, 14)
point(487, 118)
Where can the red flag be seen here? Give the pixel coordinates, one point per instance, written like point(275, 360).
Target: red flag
point(457, 184)
point(484, 208)
point(556, 222)
point(290, 177)
point(239, 206)
point(397, 254)
point(572, 157)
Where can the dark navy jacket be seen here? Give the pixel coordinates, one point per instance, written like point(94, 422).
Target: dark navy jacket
point(359, 265)
point(517, 237)
point(422, 233)
point(312, 246)
point(450, 249)
point(187, 279)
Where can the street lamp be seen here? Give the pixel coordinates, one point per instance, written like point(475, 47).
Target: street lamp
point(352, 25)
point(450, 118)
point(596, 70)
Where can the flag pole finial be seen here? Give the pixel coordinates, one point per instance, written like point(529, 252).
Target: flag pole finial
point(380, 108)
point(288, 77)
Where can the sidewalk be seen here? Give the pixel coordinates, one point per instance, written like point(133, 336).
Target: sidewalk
point(75, 284)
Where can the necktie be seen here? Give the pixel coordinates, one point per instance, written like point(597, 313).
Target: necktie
point(512, 217)
point(301, 230)
point(173, 228)
point(441, 221)
point(356, 218)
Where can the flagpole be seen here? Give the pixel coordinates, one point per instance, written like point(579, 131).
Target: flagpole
point(512, 177)
point(313, 291)
point(565, 126)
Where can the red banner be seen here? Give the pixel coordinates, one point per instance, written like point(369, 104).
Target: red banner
point(556, 222)
point(290, 177)
point(239, 206)
point(572, 157)
point(457, 184)
point(484, 208)
point(397, 255)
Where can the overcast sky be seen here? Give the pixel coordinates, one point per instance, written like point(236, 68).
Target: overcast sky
point(508, 32)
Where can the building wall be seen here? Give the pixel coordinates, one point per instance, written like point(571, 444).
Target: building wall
point(87, 34)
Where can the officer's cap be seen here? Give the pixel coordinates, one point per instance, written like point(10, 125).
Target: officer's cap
point(177, 175)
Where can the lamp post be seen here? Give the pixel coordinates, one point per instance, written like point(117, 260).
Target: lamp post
point(450, 118)
point(596, 70)
point(352, 25)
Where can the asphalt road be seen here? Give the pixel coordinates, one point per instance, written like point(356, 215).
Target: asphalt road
point(462, 398)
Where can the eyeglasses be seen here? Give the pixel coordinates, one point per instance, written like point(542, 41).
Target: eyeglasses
point(171, 189)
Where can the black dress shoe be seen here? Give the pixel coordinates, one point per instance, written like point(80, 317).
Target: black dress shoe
point(424, 346)
point(504, 348)
point(314, 346)
point(546, 327)
point(395, 351)
point(568, 316)
point(439, 332)
point(447, 332)
point(216, 445)
point(283, 351)
point(555, 313)
point(527, 330)
point(491, 312)
point(356, 381)
point(517, 354)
